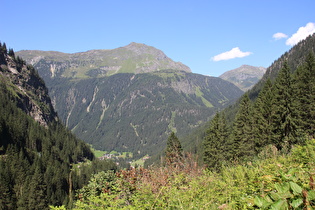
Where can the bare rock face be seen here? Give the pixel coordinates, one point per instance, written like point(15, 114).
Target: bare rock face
point(29, 89)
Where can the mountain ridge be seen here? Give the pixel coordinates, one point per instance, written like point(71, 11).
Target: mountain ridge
point(294, 58)
point(133, 58)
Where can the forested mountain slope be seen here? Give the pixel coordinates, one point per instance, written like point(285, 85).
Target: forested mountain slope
point(282, 114)
point(294, 57)
point(36, 151)
point(133, 111)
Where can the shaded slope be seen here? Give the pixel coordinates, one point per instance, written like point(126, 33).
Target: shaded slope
point(36, 150)
point(132, 111)
point(128, 112)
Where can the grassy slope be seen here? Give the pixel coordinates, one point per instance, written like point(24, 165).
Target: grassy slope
point(273, 181)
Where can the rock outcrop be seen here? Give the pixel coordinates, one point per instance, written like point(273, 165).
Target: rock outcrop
point(29, 89)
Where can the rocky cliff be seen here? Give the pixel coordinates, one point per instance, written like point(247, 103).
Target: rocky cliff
point(30, 90)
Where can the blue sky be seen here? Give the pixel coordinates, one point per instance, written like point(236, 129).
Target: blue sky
point(210, 37)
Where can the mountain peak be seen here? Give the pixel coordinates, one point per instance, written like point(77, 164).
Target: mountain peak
point(135, 44)
point(134, 58)
point(141, 49)
point(245, 76)
point(252, 68)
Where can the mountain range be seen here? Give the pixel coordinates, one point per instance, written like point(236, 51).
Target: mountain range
point(130, 98)
point(134, 58)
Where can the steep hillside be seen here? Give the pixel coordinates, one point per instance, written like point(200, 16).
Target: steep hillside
point(30, 90)
point(132, 111)
point(294, 57)
point(128, 112)
point(36, 150)
point(244, 77)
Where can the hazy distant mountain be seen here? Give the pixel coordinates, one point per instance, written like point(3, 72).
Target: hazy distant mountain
point(129, 98)
point(244, 77)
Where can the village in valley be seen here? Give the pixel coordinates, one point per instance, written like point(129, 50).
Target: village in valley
point(121, 157)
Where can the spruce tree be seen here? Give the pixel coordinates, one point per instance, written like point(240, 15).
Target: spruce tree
point(37, 189)
point(11, 53)
point(262, 117)
point(4, 48)
point(7, 195)
point(215, 142)
point(242, 143)
point(173, 153)
point(285, 116)
point(305, 92)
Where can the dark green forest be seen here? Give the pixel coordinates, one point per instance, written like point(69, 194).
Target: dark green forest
point(38, 164)
point(282, 115)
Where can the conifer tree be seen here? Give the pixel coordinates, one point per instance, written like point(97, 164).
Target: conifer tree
point(174, 149)
point(215, 142)
point(242, 143)
point(7, 196)
point(11, 53)
point(262, 117)
point(4, 48)
point(305, 92)
point(37, 192)
point(285, 112)
point(2, 53)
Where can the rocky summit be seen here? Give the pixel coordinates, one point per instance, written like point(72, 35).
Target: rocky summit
point(244, 77)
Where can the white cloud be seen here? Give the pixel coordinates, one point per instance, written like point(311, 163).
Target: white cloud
point(278, 36)
point(234, 53)
point(301, 34)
